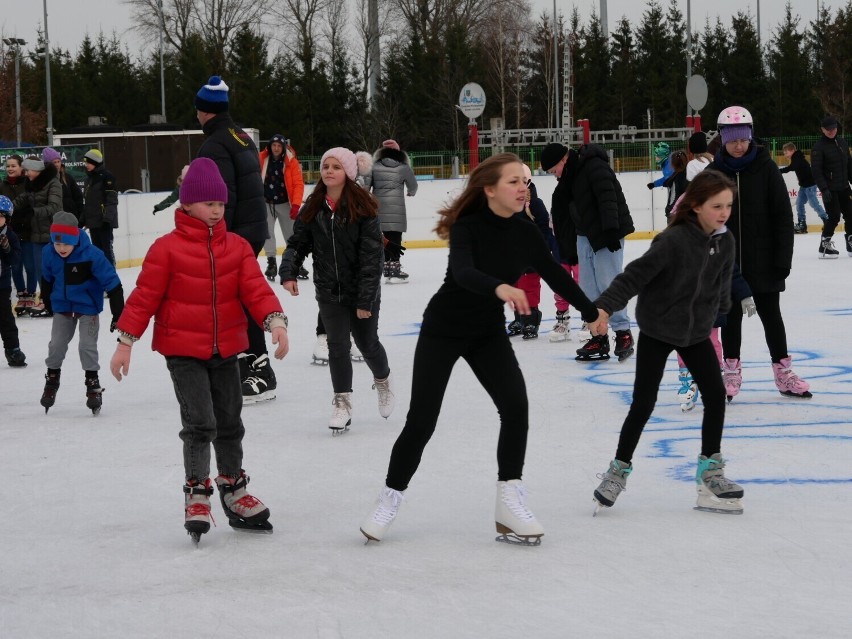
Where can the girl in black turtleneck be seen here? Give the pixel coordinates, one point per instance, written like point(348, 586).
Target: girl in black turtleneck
point(489, 250)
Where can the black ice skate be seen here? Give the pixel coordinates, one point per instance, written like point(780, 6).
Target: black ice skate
point(302, 274)
point(51, 385)
point(15, 357)
point(244, 511)
point(271, 269)
point(516, 326)
point(94, 392)
point(623, 345)
point(597, 348)
point(531, 323)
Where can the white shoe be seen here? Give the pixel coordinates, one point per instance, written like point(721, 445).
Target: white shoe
point(378, 521)
point(561, 331)
point(515, 522)
point(387, 400)
point(321, 351)
point(341, 416)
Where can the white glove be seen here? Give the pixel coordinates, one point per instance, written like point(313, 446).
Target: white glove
point(748, 306)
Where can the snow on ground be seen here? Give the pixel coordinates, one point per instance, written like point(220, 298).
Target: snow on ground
point(94, 546)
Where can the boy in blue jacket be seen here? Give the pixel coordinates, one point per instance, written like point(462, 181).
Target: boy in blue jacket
point(10, 255)
point(75, 274)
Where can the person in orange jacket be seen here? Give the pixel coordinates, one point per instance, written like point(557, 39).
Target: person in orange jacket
point(283, 188)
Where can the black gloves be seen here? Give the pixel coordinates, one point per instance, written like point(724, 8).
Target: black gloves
point(393, 251)
point(650, 185)
point(612, 239)
point(826, 196)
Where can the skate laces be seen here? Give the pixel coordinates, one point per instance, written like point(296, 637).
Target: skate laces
point(382, 387)
point(513, 498)
point(389, 502)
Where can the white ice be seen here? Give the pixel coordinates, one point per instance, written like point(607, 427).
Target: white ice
point(93, 543)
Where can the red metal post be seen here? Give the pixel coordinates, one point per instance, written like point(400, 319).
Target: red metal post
point(473, 144)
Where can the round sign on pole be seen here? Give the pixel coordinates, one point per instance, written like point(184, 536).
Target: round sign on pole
point(472, 100)
point(696, 92)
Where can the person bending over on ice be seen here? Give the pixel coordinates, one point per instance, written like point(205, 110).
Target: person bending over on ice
point(683, 282)
point(195, 282)
point(490, 249)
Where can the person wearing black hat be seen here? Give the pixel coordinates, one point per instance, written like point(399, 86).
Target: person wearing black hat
point(832, 171)
point(100, 203)
point(588, 201)
point(236, 155)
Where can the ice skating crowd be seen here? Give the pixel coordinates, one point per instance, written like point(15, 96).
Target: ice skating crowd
point(725, 255)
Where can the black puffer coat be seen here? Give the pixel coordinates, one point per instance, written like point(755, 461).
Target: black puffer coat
point(41, 198)
point(599, 210)
point(830, 164)
point(348, 257)
point(761, 221)
point(100, 200)
point(235, 153)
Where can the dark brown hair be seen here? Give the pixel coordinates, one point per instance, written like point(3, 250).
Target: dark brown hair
point(703, 186)
point(678, 161)
point(473, 198)
point(355, 202)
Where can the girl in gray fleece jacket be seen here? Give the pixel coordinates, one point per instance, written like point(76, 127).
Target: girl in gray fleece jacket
point(683, 282)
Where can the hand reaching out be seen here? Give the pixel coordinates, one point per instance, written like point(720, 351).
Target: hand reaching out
point(514, 297)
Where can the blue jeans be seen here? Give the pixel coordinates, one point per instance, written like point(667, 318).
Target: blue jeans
point(597, 270)
point(211, 400)
point(809, 194)
point(27, 272)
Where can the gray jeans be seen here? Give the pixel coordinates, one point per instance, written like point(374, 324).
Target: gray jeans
point(211, 400)
point(280, 212)
point(61, 334)
point(339, 321)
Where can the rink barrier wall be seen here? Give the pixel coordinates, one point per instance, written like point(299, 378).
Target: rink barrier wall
point(138, 227)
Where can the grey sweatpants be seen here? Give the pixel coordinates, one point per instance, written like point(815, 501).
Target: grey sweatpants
point(61, 334)
point(281, 214)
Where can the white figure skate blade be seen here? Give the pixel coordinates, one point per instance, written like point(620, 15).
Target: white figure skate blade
point(515, 540)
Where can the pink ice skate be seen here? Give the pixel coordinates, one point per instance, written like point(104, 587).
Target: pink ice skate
point(788, 383)
point(732, 376)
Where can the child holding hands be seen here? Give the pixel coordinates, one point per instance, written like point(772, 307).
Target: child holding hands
point(196, 268)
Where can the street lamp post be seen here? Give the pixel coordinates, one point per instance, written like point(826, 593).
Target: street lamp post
point(162, 67)
point(17, 43)
point(47, 80)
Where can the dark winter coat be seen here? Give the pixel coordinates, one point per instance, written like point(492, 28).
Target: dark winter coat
point(487, 250)
point(9, 258)
point(564, 230)
point(195, 282)
point(599, 210)
point(392, 177)
point(236, 155)
point(800, 165)
point(676, 183)
point(72, 196)
point(100, 200)
point(683, 282)
point(348, 257)
point(830, 164)
point(76, 284)
point(19, 223)
point(41, 198)
point(761, 219)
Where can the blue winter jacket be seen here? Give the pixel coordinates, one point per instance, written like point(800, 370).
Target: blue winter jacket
point(10, 259)
point(77, 282)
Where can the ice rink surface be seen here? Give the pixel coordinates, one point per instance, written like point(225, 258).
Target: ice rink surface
point(93, 542)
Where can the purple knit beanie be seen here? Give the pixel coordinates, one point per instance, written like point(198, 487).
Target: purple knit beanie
point(48, 155)
point(345, 157)
point(203, 183)
point(733, 132)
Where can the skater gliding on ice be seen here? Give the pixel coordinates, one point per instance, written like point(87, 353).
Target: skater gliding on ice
point(687, 273)
point(74, 275)
point(10, 255)
point(195, 282)
point(489, 250)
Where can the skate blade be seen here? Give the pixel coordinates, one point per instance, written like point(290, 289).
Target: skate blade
point(262, 527)
point(319, 362)
point(369, 537)
point(595, 358)
point(687, 406)
point(719, 511)
point(805, 395)
point(395, 280)
point(356, 358)
point(196, 537)
point(519, 540)
point(337, 432)
point(268, 396)
point(598, 507)
point(624, 356)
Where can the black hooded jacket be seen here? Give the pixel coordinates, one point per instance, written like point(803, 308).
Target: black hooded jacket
point(830, 164)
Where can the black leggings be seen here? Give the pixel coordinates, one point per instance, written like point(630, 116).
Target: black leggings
point(840, 204)
point(768, 307)
point(495, 366)
point(393, 236)
point(651, 356)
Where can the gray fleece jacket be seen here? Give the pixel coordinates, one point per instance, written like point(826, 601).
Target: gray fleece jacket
point(683, 282)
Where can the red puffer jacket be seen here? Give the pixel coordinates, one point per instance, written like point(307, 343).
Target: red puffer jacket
point(194, 282)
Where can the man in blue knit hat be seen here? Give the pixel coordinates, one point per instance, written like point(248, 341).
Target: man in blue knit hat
point(236, 155)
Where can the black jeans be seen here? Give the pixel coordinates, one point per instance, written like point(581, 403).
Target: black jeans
point(8, 328)
point(768, 307)
point(102, 238)
point(840, 204)
point(340, 321)
point(210, 397)
point(651, 356)
point(495, 366)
